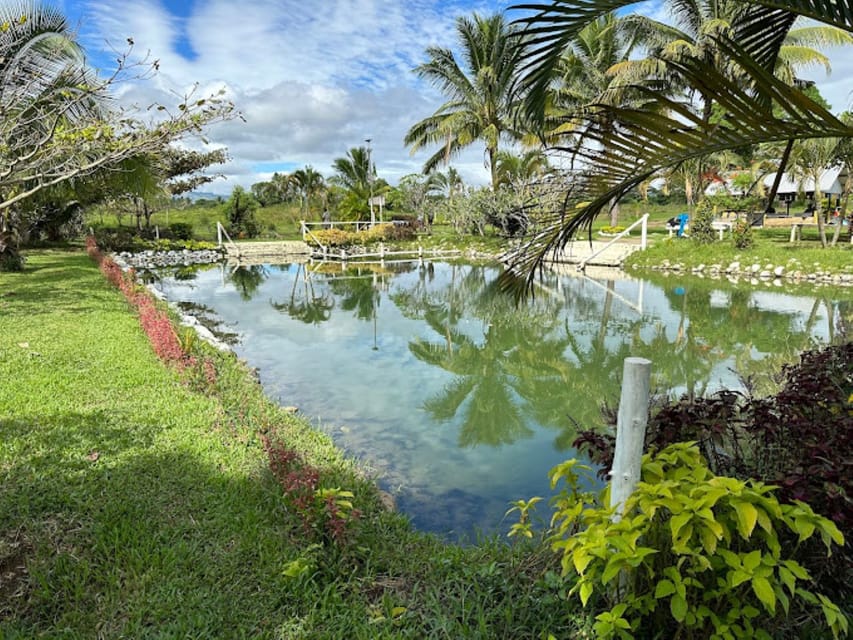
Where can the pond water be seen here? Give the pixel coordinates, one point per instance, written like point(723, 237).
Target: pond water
point(460, 401)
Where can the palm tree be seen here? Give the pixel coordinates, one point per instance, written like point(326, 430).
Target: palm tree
point(521, 169)
point(356, 174)
point(308, 183)
point(585, 76)
point(810, 159)
point(450, 183)
point(697, 24)
point(647, 141)
point(481, 103)
point(41, 69)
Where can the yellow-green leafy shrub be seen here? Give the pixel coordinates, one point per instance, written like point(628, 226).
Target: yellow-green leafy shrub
point(332, 237)
point(695, 555)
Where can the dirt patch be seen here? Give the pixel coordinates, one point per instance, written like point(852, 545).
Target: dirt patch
point(14, 553)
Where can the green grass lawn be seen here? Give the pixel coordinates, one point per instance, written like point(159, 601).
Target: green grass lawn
point(133, 506)
point(770, 247)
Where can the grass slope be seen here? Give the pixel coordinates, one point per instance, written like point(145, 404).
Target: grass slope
point(133, 506)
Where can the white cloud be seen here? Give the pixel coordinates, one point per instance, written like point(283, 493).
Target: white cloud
point(312, 80)
point(310, 83)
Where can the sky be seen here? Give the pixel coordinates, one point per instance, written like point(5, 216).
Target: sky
point(312, 79)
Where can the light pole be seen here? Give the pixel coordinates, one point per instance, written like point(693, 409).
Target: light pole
point(370, 182)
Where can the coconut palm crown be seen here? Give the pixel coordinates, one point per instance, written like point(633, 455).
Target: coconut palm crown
point(639, 142)
point(481, 103)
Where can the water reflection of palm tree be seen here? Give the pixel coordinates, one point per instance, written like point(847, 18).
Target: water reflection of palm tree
point(587, 375)
point(762, 374)
point(247, 279)
point(310, 308)
point(490, 415)
point(359, 294)
point(502, 381)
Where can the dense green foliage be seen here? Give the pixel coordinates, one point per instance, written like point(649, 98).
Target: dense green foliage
point(693, 554)
point(798, 439)
point(384, 232)
point(240, 208)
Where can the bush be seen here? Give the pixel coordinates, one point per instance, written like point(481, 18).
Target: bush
point(181, 230)
point(11, 260)
point(799, 439)
point(332, 237)
point(701, 229)
point(742, 235)
point(385, 232)
point(240, 210)
point(694, 555)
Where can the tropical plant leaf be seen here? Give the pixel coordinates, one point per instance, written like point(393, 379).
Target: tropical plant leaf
point(617, 158)
point(761, 28)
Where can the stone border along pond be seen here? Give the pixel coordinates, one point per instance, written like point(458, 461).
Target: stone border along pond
point(755, 273)
point(155, 259)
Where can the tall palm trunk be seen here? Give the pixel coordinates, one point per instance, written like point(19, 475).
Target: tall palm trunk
point(783, 163)
point(493, 166)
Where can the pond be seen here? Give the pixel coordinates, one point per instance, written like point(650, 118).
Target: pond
point(460, 401)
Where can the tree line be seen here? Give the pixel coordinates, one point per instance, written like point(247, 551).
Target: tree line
point(576, 107)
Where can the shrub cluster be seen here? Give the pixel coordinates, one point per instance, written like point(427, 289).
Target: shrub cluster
point(127, 240)
point(701, 229)
point(694, 555)
point(385, 232)
point(327, 515)
point(799, 439)
point(154, 320)
point(181, 230)
point(742, 235)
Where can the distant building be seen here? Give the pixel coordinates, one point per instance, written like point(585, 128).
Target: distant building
point(831, 183)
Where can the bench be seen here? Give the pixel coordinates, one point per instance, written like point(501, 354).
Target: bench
point(719, 225)
point(795, 223)
point(678, 224)
point(722, 226)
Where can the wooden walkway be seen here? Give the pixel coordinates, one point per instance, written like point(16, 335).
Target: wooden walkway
point(257, 252)
point(579, 251)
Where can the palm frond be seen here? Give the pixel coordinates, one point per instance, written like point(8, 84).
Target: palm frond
point(819, 36)
point(760, 28)
point(643, 142)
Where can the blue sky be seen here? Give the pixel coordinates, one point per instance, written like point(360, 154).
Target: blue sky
point(312, 79)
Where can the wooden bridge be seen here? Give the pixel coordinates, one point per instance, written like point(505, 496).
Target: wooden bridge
point(257, 252)
point(595, 253)
point(580, 252)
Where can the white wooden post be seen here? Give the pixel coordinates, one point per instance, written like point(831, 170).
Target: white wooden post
point(630, 431)
point(219, 234)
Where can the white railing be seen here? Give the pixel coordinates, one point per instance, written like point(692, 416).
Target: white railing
point(383, 253)
point(220, 231)
point(307, 232)
point(643, 240)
